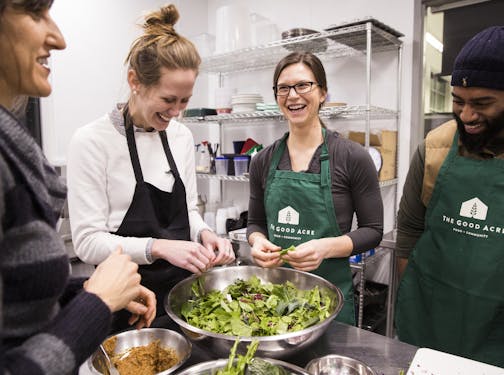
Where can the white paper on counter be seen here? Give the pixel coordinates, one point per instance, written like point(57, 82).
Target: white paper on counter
point(433, 362)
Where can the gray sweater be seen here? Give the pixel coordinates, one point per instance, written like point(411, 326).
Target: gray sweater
point(354, 186)
point(49, 325)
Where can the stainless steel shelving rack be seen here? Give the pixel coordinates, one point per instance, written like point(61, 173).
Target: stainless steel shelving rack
point(363, 38)
point(345, 41)
point(355, 112)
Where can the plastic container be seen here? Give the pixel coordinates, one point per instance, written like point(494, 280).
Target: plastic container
point(221, 165)
point(240, 165)
point(220, 221)
point(237, 146)
point(203, 161)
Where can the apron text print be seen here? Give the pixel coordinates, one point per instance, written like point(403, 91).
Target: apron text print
point(281, 231)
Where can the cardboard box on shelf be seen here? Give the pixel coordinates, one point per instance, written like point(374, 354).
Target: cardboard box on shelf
point(384, 141)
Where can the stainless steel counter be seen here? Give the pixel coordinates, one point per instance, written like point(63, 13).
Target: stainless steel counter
point(385, 355)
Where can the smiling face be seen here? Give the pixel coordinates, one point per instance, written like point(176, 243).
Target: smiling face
point(26, 40)
point(480, 115)
point(155, 106)
point(300, 109)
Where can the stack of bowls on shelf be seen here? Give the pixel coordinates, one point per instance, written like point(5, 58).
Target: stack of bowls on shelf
point(223, 97)
point(314, 45)
point(245, 102)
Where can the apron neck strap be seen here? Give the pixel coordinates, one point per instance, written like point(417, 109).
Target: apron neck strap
point(325, 177)
point(324, 159)
point(277, 155)
point(130, 137)
point(169, 156)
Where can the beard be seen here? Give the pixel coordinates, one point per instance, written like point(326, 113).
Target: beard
point(477, 142)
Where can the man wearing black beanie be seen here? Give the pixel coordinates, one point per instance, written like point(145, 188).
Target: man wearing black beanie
point(450, 241)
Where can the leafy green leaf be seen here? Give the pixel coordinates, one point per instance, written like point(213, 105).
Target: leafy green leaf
point(285, 251)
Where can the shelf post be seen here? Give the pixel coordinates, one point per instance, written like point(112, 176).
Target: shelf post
point(369, 26)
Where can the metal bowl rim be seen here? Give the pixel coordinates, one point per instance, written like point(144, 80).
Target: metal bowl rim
point(221, 362)
point(182, 323)
point(338, 356)
point(151, 330)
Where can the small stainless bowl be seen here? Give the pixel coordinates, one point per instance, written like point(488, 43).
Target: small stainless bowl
point(130, 339)
point(334, 364)
point(315, 45)
point(210, 367)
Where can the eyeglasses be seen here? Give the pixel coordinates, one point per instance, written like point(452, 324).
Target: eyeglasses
point(300, 88)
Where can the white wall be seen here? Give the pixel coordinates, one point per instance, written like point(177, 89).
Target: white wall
point(88, 77)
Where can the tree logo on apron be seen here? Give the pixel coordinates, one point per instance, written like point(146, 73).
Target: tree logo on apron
point(474, 208)
point(288, 215)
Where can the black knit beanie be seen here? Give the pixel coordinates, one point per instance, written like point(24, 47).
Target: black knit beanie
point(480, 63)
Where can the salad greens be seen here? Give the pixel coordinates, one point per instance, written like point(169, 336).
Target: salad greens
point(259, 366)
point(285, 251)
point(252, 308)
point(238, 367)
point(247, 364)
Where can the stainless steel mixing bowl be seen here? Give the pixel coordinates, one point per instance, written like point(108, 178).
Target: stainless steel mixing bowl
point(338, 364)
point(210, 367)
point(130, 339)
point(278, 346)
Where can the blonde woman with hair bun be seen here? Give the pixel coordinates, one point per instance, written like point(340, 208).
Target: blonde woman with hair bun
point(131, 173)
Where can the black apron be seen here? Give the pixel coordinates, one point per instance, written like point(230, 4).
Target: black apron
point(157, 214)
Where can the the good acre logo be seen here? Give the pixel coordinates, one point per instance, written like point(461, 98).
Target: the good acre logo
point(473, 213)
point(290, 230)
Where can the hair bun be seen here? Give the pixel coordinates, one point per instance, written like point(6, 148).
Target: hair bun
point(166, 17)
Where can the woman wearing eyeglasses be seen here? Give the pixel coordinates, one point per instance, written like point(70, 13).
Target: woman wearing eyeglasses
point(306, 187)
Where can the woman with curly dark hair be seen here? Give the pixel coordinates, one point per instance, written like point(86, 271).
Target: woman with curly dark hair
point(50, 323)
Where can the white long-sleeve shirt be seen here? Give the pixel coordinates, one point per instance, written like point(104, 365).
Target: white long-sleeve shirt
point(101, 183)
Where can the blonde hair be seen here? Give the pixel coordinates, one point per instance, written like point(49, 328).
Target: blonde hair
point(161, 47)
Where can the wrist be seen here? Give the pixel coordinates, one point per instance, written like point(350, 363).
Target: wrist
point(155, 249)
point(148, 251)
point(336, 247)
point(202, 234)
point(254, 237)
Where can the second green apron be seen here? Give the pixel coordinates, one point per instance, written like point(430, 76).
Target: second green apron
point(451, 297)
point(299, 208)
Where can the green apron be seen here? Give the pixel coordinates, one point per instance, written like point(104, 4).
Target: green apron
point(299, 208)
point(451, 297)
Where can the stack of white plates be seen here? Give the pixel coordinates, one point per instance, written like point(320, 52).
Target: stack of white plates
point(267, 107)
point(245, 102)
